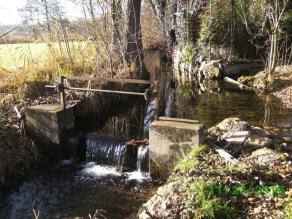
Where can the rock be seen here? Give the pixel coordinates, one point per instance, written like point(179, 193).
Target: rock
point(238, 137)
point(258, 131)
point(258, 141)
point(236, 131)
point(233, 124)
point(286, 136)
point(264, 156)
point(211, 71)
point(284, 124)
point(164, 203)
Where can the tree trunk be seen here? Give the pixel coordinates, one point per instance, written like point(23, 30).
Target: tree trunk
point(116, 17)
point(273, 56)
point(158, 7)
point(134, 53)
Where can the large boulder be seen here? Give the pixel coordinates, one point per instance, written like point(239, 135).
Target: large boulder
point(238, 132)
point(233, 124)
point(211, 71)
point(166, 203)
point(264, 156)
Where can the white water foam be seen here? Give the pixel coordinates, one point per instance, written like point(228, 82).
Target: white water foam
point(92, 169)
point(138, 176)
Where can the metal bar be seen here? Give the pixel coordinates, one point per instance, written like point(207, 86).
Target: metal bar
point(106, 91)
point(50, 86)
point(116, 80)
point(62, 93)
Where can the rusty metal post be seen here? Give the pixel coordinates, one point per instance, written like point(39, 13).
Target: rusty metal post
point(156, 99)
point(61, 89)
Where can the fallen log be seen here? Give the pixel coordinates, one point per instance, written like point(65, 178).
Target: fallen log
point(234, 82)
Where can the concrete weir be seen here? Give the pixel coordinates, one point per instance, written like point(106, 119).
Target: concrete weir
point(170, 140)
point(48, 124)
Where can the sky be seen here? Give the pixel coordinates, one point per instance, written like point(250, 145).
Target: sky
point(9, 14)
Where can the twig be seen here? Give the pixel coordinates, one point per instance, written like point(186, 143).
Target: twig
point(8, 32)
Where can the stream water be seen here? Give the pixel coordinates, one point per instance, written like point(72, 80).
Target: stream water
point(71, 189)
point(212, 104)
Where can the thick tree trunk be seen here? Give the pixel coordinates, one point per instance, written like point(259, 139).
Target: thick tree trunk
point(134, 53)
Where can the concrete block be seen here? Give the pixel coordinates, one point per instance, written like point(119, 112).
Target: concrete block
point(171, 139)
point(48, 122)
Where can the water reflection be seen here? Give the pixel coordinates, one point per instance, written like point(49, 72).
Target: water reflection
point(213, 104)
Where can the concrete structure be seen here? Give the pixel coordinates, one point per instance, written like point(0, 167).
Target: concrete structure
point(171, 139)
point(48, 123)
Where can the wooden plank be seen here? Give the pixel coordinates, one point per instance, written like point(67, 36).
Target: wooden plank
point(114, 80)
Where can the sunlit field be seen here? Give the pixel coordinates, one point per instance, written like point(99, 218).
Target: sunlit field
point(43, 61)
point(19, 56)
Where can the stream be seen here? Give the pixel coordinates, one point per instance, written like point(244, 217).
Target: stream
point(73, 189)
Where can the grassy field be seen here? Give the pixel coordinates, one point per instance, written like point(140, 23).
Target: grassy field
point(19, 56)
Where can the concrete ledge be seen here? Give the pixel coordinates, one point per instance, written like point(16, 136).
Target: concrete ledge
point(178, 120)
point(170, 140)
point(48, 123)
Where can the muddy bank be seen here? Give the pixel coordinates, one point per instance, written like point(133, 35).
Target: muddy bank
point(257, 185)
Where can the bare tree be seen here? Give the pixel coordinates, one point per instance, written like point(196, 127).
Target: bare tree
point(263, 17)
point(134, 40)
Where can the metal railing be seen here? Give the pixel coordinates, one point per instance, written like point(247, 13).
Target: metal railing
point(61, 87)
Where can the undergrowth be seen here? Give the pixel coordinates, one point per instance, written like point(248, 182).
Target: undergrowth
point(191, 161)
point(203, 205)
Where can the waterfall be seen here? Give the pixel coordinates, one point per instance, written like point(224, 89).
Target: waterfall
point(117, 153)
point(150, 114)
point(105, 150)
point(143, 159)
point(169, 103)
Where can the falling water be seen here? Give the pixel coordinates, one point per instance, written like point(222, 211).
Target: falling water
point(105, 150)
point(116, 152)
point(143, 159)
point(169, 103)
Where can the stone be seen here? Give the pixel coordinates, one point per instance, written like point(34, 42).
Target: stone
point(286, 136)
point(47, 122)
point(258, 141)
point(238, 137)
point(211, 71)
point(233, 124)
point(171, 140)
point(264, 156)
point(284, 124)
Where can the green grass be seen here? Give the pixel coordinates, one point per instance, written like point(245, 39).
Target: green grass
point(191, 161)
point(203, 205)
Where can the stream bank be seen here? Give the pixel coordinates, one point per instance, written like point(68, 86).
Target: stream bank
point(260, 140)
point(204, 185)
point(281, 86)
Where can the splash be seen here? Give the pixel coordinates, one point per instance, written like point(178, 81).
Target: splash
point(92, 169)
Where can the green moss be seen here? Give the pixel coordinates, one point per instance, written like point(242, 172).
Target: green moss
point(186, 90)
point(203, 205)
point(188, 54)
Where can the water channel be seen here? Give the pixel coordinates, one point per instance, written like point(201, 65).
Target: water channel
point(73, 189)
